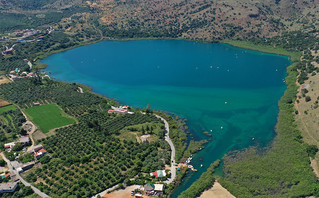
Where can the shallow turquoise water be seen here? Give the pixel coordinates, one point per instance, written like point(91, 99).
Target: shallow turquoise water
point(233, 92)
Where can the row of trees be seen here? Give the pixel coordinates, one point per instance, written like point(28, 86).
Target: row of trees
point(11, 125)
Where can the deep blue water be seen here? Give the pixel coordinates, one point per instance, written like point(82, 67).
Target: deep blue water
point(232, 91)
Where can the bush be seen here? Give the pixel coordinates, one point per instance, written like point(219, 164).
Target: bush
point(2, 163)
point(308, 98)
point(17, 147)
point(312, 150)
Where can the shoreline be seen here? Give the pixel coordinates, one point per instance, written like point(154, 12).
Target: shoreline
point(293, 56)
point(88, 88)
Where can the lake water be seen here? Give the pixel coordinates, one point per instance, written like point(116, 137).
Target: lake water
point(230, 92)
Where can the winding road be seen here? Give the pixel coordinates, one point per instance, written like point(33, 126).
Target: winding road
point(173, 169)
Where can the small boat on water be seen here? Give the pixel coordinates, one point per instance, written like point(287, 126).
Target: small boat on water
point(201, 165)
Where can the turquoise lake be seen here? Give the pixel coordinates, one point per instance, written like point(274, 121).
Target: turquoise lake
point(230, 92)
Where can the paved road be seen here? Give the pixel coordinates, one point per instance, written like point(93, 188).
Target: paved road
point(33, 129)
point(173, 169)
point(37, 191)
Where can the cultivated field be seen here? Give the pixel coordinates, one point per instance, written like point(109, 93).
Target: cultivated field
point(48, 117)
point(7, 108)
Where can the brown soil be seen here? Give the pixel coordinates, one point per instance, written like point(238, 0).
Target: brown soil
point(3, 103)
point(217, 191)
point(123, 193)
point(37, 135)
point(4, 79)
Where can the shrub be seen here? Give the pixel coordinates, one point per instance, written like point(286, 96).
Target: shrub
point(307, 98)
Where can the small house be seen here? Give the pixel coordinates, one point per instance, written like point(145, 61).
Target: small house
point(36, 103)
point(40, 153)
point(159, 187)
point(158, 173)
point(149, 187)
point(9, 145)
point(110, 111)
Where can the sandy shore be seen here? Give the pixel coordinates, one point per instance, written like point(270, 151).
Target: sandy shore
point(217, 191)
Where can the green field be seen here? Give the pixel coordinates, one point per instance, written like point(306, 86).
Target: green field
point(48, 117)
point(7, 108)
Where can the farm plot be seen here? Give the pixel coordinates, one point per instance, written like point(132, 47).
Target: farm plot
point(48, 117)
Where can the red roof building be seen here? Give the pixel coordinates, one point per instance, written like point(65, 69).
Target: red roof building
point(154, 173)
point(42, 151)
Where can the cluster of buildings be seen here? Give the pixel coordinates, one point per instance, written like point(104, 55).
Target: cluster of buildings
point(24, 140)
point(4, 175)
point(153, 189)
point(4, 38)
point(13, 75)
point(39, 39)
point(24, 33)
point(120, 110)
point(149, 189)
point(8, 50)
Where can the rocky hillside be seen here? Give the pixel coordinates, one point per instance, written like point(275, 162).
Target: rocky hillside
point(199, 19)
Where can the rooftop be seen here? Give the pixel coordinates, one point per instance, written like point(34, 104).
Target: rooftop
point(24, 139)
point(8, 186)
point(159, 187)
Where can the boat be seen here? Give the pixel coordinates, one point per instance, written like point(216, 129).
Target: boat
point(201, 165)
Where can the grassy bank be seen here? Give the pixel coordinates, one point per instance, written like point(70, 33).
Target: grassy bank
point(282, 171)
point(294, 56)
